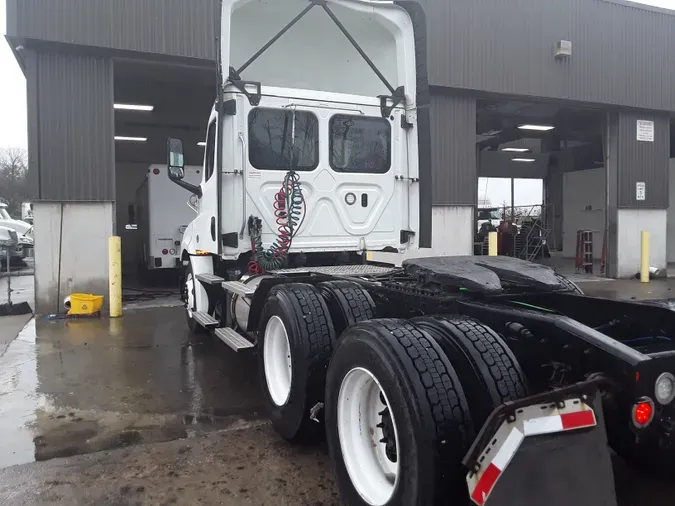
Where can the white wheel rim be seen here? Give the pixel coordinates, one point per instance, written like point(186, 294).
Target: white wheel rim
point(190, 288)
point(373, 474)
point(277, 361)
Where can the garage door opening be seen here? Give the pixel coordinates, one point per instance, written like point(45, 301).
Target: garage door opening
point(152, 103)
point(542, 183)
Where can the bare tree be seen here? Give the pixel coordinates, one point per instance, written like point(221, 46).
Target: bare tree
point(13, 183)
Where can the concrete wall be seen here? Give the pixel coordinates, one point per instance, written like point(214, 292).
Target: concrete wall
point(453, 232)
point(583, 209)
point(71, 251)
point(631, 222)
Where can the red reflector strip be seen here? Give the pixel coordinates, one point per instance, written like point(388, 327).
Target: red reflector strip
point(559, 423)
point(500, 461)
point(578, 420)
point(486, 484)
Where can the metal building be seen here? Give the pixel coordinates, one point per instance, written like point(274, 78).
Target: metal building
point(600, 71)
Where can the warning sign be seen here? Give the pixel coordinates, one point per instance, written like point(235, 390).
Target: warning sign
point(645, 130)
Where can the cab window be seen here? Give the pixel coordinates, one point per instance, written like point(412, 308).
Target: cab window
point(360, 145)
point(273, 145)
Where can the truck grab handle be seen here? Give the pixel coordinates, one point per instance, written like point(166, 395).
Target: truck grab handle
point(243, 183)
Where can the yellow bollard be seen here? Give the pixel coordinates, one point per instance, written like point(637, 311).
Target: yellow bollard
point(492, 244)
point(115, 274)
point(644, 267)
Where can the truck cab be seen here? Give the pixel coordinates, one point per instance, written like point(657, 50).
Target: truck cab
point(347, 133)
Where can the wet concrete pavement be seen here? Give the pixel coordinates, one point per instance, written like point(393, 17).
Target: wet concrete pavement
point(246, 466)
point(77, 386)
point(142, 412)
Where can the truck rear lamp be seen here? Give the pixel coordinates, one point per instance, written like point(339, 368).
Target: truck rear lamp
point(172, 251)
point(165, 252)
point(643, 412)
point(664, 388)
point(155, 172)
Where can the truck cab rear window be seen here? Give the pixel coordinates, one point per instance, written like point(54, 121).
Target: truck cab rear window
point(360, 145)
point(271, 146)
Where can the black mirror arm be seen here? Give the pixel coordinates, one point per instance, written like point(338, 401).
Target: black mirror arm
point(197, 190)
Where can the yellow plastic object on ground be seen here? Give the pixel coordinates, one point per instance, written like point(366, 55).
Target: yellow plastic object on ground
point(85, 304)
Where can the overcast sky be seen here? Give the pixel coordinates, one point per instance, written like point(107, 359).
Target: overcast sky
point(13, 118)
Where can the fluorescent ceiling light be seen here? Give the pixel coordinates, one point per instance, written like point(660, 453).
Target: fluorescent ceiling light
point(516, 150)
point(538, 128)
point(524, 160)
point(134, 107)
point(130, 139)
point(491, 133)
point(202, 144)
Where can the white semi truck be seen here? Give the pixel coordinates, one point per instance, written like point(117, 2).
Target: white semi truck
point(317, 153)
point(160, 220)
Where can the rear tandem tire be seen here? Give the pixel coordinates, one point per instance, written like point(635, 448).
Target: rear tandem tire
point(488, 369)
point(428, 412)
point(296, 338)
point(348, 302)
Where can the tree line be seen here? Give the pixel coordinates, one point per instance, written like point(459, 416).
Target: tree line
point(13, 179)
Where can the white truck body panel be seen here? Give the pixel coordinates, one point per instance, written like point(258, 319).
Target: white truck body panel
point(163, 215)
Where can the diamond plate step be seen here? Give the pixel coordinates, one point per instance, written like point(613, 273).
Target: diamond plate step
point(231, 338)
point(339, 270)
point(238, 288)
point(210, 279)
point(205, 319)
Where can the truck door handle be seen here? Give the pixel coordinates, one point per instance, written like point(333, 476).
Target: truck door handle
point(213, 228)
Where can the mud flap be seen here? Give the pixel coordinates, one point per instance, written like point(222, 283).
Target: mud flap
point(544, 451)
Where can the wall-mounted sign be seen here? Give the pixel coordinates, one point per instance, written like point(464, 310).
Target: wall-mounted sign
point(640, 191)
point(645, 130)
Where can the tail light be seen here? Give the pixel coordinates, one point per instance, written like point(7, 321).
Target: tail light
point(165, 252)
point(643, 412)
point(155, 172)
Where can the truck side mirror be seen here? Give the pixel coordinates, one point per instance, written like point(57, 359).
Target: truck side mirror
point(175, 162)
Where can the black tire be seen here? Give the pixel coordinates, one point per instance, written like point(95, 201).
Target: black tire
point(194, 327)
point(488, 369)
point(570, 285)
point(311, 337)
point(348, 302)
point(430, 410)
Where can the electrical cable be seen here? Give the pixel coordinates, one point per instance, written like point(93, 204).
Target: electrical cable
point(290, 210)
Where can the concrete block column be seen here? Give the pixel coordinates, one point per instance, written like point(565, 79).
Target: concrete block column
point(638, 157)
point(71, 251)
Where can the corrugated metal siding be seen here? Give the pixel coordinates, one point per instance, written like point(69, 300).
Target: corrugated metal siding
point(621, 55)
point(453, 150)
point(646, 162)
point(171, 27)
point(70, 103)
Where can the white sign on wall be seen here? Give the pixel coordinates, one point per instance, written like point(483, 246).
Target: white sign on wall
point(641, 191)
point(645, 130)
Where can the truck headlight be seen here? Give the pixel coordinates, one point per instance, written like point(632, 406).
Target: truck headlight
point(664, 389)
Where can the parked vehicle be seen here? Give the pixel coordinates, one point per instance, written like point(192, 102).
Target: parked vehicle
point(484, 378)
point(27, 212)
point(24, 233)
point(162, 217)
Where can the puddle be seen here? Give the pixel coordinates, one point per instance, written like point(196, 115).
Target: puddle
point(74, 387)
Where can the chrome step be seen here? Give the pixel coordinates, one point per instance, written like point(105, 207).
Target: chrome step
point(238, 288)
point(210, 279)
point(204, 319)
point(231, 338)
